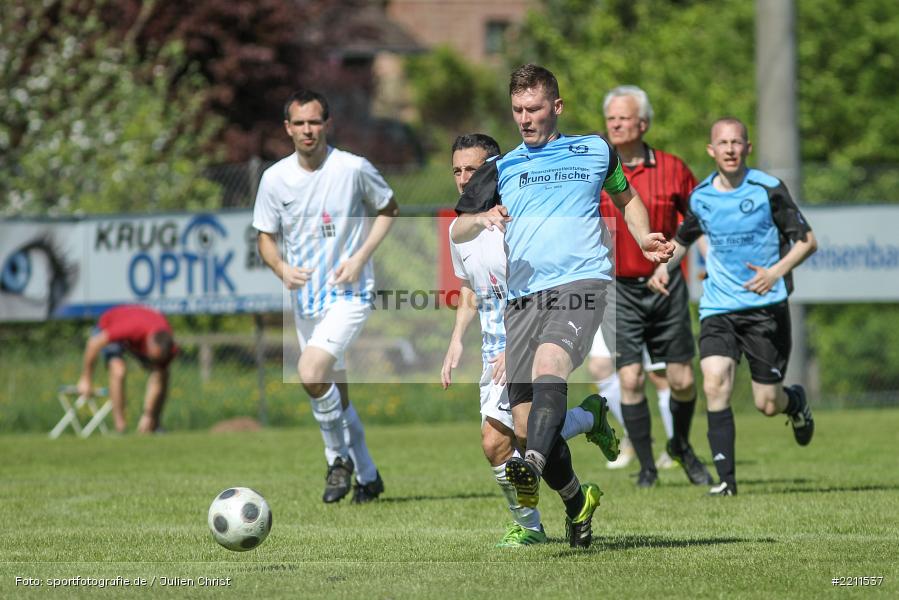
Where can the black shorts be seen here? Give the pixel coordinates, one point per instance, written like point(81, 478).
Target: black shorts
point(642, 316)
point(567, 316)
point(762, 334)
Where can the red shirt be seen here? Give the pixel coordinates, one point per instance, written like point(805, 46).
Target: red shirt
point(664, 182)
point(131, 325)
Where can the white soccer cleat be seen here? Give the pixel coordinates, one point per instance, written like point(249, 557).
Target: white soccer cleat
point(625, 457)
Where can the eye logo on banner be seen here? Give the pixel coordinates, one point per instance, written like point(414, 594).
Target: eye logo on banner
point(192, 265)
point(36, 277)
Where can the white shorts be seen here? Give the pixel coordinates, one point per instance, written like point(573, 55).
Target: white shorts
point(600, 350)
point(494, 399)
point(334, 330)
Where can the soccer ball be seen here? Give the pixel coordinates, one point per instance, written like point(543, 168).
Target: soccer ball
point(240, 519)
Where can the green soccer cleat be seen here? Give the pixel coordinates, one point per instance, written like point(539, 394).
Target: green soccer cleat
point(522, 475)
point(578, 530)
point(517, 536)
point(602, 433)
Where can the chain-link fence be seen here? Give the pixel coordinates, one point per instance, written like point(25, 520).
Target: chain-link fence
point(235, 365)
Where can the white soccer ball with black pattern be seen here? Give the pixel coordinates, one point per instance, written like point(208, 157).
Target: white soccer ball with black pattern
point(240, 519)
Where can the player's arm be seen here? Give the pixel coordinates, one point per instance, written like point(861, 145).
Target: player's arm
point(479, 206)
point(91, 351)
point(293, 277)
point(349, 270)
point(792, 224)
point(466, 312)
point(689, 231)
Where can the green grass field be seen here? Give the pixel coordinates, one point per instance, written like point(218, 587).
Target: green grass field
point(136, 507)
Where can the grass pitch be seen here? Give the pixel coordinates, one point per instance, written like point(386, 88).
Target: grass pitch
point(135, 507)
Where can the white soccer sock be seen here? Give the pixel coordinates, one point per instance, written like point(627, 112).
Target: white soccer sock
point(354, 435)
point(610, 389)
point(529, 518)
point(665, 410)
point(577, 420)
point(328, 412)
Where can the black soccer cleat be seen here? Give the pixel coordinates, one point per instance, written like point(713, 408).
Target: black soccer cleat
point(524, 477)
point(367, 492)
point(338, 480)
point(802, 422)
point(724, 489)
point(647, 478)
point(696, 471)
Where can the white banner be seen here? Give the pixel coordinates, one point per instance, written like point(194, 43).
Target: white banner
point(857, 258)
point(202, 263)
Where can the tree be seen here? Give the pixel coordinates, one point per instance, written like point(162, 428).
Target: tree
point(90, 126)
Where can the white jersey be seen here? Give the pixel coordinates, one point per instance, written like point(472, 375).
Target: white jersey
point(482, 262)
point(322, 218)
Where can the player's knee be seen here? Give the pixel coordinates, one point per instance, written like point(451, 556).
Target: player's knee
point(312, 375)
point(766, 403)
point(117, 370)
point(631, 378)
point(600, 367)
point(681, 381)
point(715, 386)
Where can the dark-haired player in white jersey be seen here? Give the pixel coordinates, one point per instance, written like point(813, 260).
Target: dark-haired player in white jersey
point(756, 237)
point(318, 200)
point(481, 265)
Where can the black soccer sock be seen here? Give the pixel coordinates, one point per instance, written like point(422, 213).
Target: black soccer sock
point(547, 416)
point(793, 404)
point(639, 427)
point(722, 440)
point(682, 417)
point(559, 475)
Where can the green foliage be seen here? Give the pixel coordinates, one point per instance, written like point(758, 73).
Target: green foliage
point(90, 126)
point(857, 346)
point(693, 59)
point(454, 97)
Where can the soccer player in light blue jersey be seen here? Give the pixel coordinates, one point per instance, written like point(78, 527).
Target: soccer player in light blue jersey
point(544, 196)
point(756, 237)
point(481, 266)
point(317, 200)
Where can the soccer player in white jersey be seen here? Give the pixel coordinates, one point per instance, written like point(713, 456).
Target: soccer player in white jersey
point(481, 265)
point(317, 199)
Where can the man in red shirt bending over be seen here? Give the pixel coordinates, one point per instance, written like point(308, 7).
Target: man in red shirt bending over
point(661, 322)
point(145, 334)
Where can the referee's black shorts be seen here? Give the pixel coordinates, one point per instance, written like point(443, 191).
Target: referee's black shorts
point(567, 315)
point(642, 316)
point(762, 334)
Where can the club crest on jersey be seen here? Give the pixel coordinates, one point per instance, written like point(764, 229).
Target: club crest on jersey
point(328, 230)
point(495, 288)
point(746, 206)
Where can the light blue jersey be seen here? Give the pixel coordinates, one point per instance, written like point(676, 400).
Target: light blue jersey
point(752, 224)
point(552, 194)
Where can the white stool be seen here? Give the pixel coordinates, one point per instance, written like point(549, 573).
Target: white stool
point(70, 418)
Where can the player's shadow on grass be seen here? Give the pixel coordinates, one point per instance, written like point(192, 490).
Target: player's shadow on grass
point(874, 487)
point(633, 542)
point(477, 496)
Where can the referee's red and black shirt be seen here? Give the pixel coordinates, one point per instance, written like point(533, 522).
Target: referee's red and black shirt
point(664, 182)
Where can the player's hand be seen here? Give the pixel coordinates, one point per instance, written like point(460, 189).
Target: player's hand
point(497, 217)
point(85, 388)
point(656, 248)
point(348, 271)
point(763, 280)
point(450, 362)
point(659, 280)
point(295, 277)
point(499, 368)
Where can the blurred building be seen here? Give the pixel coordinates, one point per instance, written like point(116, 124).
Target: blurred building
point(474, 28)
